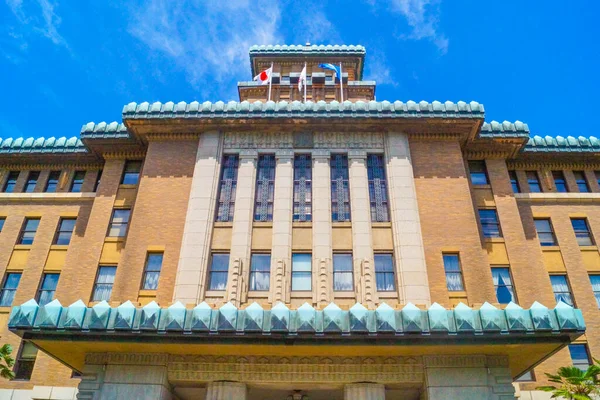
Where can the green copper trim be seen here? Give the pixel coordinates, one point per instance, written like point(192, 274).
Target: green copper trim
point(41, 145)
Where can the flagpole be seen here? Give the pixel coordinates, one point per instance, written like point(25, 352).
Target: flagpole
point(305, 81)
point(341, 83)
point(270, 80)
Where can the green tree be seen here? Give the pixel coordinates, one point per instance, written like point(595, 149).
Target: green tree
point(6, 362)
point(575, 384)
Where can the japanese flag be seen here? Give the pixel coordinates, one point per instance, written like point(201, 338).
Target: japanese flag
point(264, 77)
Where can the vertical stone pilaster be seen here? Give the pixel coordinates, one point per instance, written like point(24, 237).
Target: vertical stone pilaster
point(91, 382)
point(241, 236)
point(197, 233)
point(364, 391)
point(226, 391)
point(321, 226)
point(362, 238)
point(409, 254)
point(281, 249)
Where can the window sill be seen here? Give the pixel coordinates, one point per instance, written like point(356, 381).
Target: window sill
point(559, 197)
point(123, 186)
point(258, 294)
point(298, 294)
point(551, 248)
point(588, 248)
point(381, 224)
point(486, 186)
point(494, 240)
point(387, 295)
point(344, 295)
point(215, 293)
point(22, 247)
point(59, 247)
point(219, 224)
point(455, 294)
point(5, 309)
point(259, 224)
point(114, 239)
point(147, 293)
point(336, 224)
point(47, 196)
point(302, 224)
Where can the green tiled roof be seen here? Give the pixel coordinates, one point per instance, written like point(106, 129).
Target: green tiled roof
point(102, 130)
point(505, 129)
point(297, 109)
point(562, 144)
point(310, 50)
point(41, 145)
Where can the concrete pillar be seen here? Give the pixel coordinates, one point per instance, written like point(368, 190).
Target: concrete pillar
point(197, 232)
point(226, 391)
point(364, 391)
point(409, 254)
point(281, 249)
point(321, 226)
point(241, 236)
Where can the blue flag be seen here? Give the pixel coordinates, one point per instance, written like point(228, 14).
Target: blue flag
point(332, 67)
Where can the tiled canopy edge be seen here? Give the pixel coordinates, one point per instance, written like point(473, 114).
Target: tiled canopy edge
point(436, 321)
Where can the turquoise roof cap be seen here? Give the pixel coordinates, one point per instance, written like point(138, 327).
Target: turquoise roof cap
point(41, 145)
point(308, 49)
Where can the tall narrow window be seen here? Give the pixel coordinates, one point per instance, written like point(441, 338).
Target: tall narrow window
point(582, 231)
point(119, 222)
point(559, 181)
point(489, 223)
point(104, 283)
point(265, 188)
point(534, 182)
point(2, 221)
point(30, 227)
point(503, 285)
point(219, 268)
point(131, 173)
point(11, 182)
point(582, 184)
point(25, 361)
point(478, 172)
point(260, 272)
point(32, 179)
point(227, 188)
point(561, 289)
point(595, 281)
point(384, 273)
point(301, 271)
point(514, 182)
point(152, 271)
point(77, 182)
point(47, 288)
point(9, 288)
point(545, 232)
point(340, 189)
point(454, 280)
point(377, 188)
point(597, 173)
point(52, 184)
point(580, 356)
point(302, 188)
point(98, 178)
point(342, 272)
point(66, 226)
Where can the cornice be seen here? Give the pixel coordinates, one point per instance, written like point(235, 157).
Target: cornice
point(52, 166)
point(124, 155)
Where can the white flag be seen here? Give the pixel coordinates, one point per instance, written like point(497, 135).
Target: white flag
point(265, 76)
point(302, 79)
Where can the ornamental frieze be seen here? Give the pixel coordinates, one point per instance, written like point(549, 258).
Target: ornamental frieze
point(318, 140)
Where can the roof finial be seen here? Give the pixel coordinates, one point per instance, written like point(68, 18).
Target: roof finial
point(307, 44)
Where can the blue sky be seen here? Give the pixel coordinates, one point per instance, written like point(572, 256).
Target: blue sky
point(65, 63)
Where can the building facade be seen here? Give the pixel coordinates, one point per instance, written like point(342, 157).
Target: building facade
point(298, 250)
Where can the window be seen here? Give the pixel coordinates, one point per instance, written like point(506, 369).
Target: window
point(377, 188)
point(98, 178)
point(66, 226)
point(9, 288)
point(152, 271)
point(534, 182)
point(302, 187)
point(503, 285)
point(131, 173)
point(478, 173)
point(559, 181)
point(561, 289)
point(119, 223)
point(342, 272)
point(11, 181)
point(545, 232)
point(227, 188)
point(597, 173)
point(29, 229)
point(582, 184)
point(384, 273)
point(2, 221)
point(260, 272)
point(595, 281)
point(301, 271)
point(582, 231)
point(454, 280)
point(32, 179)
point(219, 268)
point(580, 356)
point(265, 188)
point(25, 361)
point(77, 182)
point(489, 223)
point(52, 183)
point(47, 288)
point(340, 189)
point(104, 283)
point(514, 182)
point(526, 377)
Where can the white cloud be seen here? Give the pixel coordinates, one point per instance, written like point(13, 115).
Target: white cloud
point(377, 68)
point(312, 25)
point(423, 17)
point(40, 16)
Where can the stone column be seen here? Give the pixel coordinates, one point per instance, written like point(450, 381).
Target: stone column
point(406, 225)
point(362, 239)
point(281, 249)
point(241, 235)
point(321, 226)
point(197, 232)
point(364, 391)
point(226, 391)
